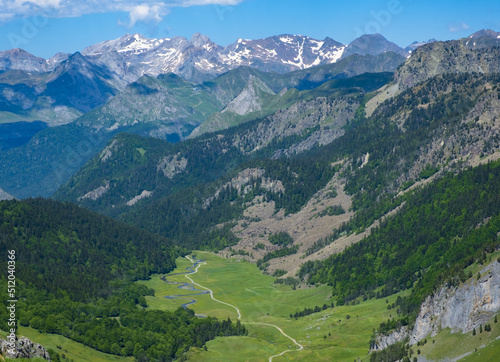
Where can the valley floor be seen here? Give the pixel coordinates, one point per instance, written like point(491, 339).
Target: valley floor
point(341, 333)
point(236, 289)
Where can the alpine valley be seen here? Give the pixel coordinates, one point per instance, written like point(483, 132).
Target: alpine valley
point(276, 199)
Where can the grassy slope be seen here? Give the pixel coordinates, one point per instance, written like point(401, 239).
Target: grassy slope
point(488, 353)
point(261, 301)
point(453, 345)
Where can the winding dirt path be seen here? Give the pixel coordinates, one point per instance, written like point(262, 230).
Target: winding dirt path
point(283, 333)
point(239, 313)
point(209, 290)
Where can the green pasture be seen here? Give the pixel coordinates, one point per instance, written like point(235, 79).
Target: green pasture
point(454, 345)
point(487, 353)
point(342, 333)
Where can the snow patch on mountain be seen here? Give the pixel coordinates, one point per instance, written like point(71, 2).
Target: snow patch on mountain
point(199, 59)
point(286, 39)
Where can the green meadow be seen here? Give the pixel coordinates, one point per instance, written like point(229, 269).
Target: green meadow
point(342, 333)
point(485, 346)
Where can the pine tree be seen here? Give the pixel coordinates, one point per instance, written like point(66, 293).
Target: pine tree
point(474, 331)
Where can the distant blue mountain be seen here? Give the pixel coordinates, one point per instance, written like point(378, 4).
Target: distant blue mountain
point(19, 133)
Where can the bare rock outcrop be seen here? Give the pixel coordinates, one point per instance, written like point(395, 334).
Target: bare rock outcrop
point(5, 196)
point(382, 341)
point(144, 194)
point(171, 165)
point(24, 348)
point(461, 309)
point(97, 193)
point(242, 184)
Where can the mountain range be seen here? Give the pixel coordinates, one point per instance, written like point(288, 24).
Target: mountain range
point(200, 59)
point(85, 104)
point(48, 90)
point(367, 170)
point(373, 184)
point(112, 87)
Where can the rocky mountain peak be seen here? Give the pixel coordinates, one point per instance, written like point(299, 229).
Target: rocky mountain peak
point(57, 59)
point(200, 59)
point(329, 42)
point(21, 60)
point(76, 62)
point(200, 41)
point(485, 33)
point(372, 44)
point(410, 48)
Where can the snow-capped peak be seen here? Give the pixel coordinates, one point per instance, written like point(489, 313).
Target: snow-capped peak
point(134, 54)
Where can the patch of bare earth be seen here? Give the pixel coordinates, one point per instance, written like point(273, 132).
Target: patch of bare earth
point(305, 227)
point(384, 93)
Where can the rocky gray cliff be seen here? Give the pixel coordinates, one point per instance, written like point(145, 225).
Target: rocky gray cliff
point(25, 348)
point(446, 57)
point(461, 309)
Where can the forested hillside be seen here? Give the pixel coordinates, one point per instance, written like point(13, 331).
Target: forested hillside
point(441, 229)
point(74, 276)
point(439, 126)
point(164, 106)
point(176, 180)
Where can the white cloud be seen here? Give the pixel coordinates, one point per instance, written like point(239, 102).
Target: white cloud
point(458, 27)
point(145, 11)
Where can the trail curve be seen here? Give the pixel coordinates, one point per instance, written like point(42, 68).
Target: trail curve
point(301, 347)
point(209, 290)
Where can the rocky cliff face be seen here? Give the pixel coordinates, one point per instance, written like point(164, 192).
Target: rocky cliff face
point(250, 99)
point(243, 184)
point(460, 308)
point(446, 57)
point(382, 342)
point(25, 348)
point(171, 165)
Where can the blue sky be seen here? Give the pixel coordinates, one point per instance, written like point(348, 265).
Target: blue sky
point(45, 27)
